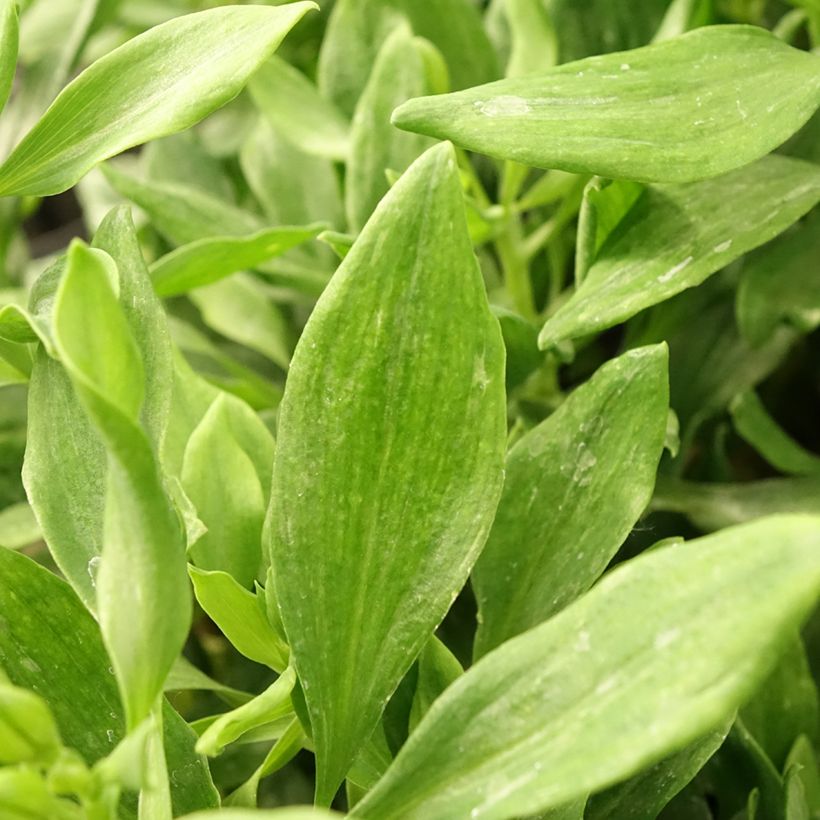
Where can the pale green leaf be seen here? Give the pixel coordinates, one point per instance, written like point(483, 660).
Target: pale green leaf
point(158, 83)
point(292, 104)
point(780, 283)
point(221, 482)
point(242, 309)
point(28, 732)
point(713, 505)
point(628, 674)
point(756, 426)
point(74, 677)
point(683, 110)
point(290, 813)
point(533, 42)
point(185, 676)
point(18, 526)
point(272, 704)
point(396, 388)
point(675, 236)
point(8, 48)
point(209, 260)
point(574, 487)
point(240, 616)
point(186, 214)
point(398, 74)
point(357, 29)
point(143, 598)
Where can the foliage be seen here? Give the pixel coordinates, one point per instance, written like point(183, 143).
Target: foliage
point(419, 421)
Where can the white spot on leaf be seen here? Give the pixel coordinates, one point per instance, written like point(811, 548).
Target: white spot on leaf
point(677, 269)
point(507, 105)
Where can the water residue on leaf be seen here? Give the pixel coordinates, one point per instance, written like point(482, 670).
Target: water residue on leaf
point(507, 105)
point(665, 277)
point(93, 569)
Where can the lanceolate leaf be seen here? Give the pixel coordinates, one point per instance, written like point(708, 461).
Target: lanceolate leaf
point(754, 424)
point(645, 794)
point(781, 283)
point(675, 236)
point(376, 146)
point(8, 48)
point(357, 28)
point(574, 488)
point(160, 82)
point(686, 109)
point(208, 260)
point(221, 481)
point(293, 105)
point(631, 672)
point(73, 676)
point(389, 459)
point(143, 598)
point(713, 505)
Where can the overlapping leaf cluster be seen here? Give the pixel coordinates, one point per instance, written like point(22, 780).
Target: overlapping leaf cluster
point(424, 414)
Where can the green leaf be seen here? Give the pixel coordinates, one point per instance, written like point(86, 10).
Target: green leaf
point(28, 732)
point(803, 758)
point(290, 813)
point(24, 794)
point(438, 668)
point(780, 284)
point(709, 360)
point(645, 794)
point(785, 706)
point(18, 526)
point(293, 105)
point(145, 316)
point(632, 671)
point(272, 704)
point(357, 29)
point(687, 109)
point(293, 187)
point(242, 309)
point(38, 611)
point(757, 427)
point(398, 74)
point(241, 617)
point(143, 598)
point(534, 46)
point(714, 505)
point(64, 475)
point(183, 214)
point(160, 82)
point(675, 236)
point(184, 676)
point(600, 26)
point(574, 487)
point(8, 48)
point(363, 574)
point(209, 260)
point(221, 481)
